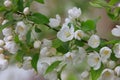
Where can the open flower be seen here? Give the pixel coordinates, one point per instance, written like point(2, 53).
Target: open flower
point(66, 33)
point(117, 71)
point(107, 74)
point(105, 53)
point(79, 34)
point(55, 22)
point(116, 50)
point(74, 13)
point(7, 31)
point(116, 31)
point(94, 41)
point(94, 60)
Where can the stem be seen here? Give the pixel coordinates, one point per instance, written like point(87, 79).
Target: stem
point(51, 28)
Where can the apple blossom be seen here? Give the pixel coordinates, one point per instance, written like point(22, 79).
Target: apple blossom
point(66, 34)
point(27, 63)
point(1, 42)
point(116, 31)
point(7, 31)
point(46, 43)
point(84, 74)
point(116, 50)
point(79, 34)
point(37, 44)
point(94, 41)
point(105, 53)
point(117, 71)
point(94, 60)
point(26, 11)
point(55, 22)
point(111, 64)
point(74, 13)
point(7, 3)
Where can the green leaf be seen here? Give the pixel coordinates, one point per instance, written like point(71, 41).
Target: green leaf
point(34, 61)
point(56, 43)
point(95, 5)
point(38, 18)
point(5, 25)
point(95, 74)
point(19, 56)
point(52, 66)
point(38, 30)
point(2, 8)
point(113, 2)
point(88, 25)
point(20, 5)
point(40, 1)
point(79, 43)
point(28, 36)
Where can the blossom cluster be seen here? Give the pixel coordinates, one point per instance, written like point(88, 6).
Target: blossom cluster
point(76, 42)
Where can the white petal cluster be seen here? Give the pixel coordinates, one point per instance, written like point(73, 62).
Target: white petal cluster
point(27, 63)
point(94, 41)
point(111, 64)
point(37, 44)
point(66, 34)
point(117, 71)
point(55, 22)
point(1, 43)
point(7, 3)
point(84, 75)
point(3, 62)
point(94, 60)
point(7, 31)
point(26, 11)
point(79, 34)
point(107, 74)
point(11, 46)
point(116, 31)
point(116, 50)
point(74, 13)
point(105, 53)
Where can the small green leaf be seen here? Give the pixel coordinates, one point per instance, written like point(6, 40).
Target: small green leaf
point(28, 36)
point(88, 25)
point(38, 30)
point(56, 43)
point(95, 5)
point(34, 61)
point(113, 2)
point(19, 56)
point(40, 1)
point(52, 66)
point(38, 18)
point(20, 5)
point(95, 74)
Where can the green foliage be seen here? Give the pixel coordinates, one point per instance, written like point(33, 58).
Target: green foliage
point(28, 36)
point(20, 5)
point(113, 2)
point(95, 74)
point(57, 43)
point(37, 29)
point(52, 66)
point(40, 1)
point(88, 25)
point(38, 18)
point(34, 61)
point(19, 56)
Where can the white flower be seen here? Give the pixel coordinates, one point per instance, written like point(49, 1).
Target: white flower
point(107, 74)
point(8, 38)
point(7, 31)
point(94, 41)
point(21, 28)
point(67, 21)
point(37, 44)
point(4, 22)
point(105, 53)
point(117, 71)
point(41, 67)
point(52, 75)
point(116, 31)
point(84, 74)
point(3, 62)
point(43, 52)
point(74, 13)
point(111, 64)
point(94, 60)
point(46, 43)
point(79, 34)
point(27, 63)
point(26, 11)
point(55, 22)
point(66, 33)
point(8, 3)
point(116, 50)
point(11, 46)
point(69, 56)
point(2, 42)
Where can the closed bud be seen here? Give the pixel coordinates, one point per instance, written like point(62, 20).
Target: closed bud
point(26, 11)
point(37, 44)
point(2, 43)
point(111, 64)
point(8, 3)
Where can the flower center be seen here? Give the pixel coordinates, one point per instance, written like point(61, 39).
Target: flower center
point(96, 59)
point(80, 35)
point(67, 34)
point(106, 52)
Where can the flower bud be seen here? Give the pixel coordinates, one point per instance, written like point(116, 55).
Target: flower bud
point(2, 43)
point(8, 3)
point(26, 11)
point(117, 70)
point(111, 64)
point(37, 44)
point(84, 74)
